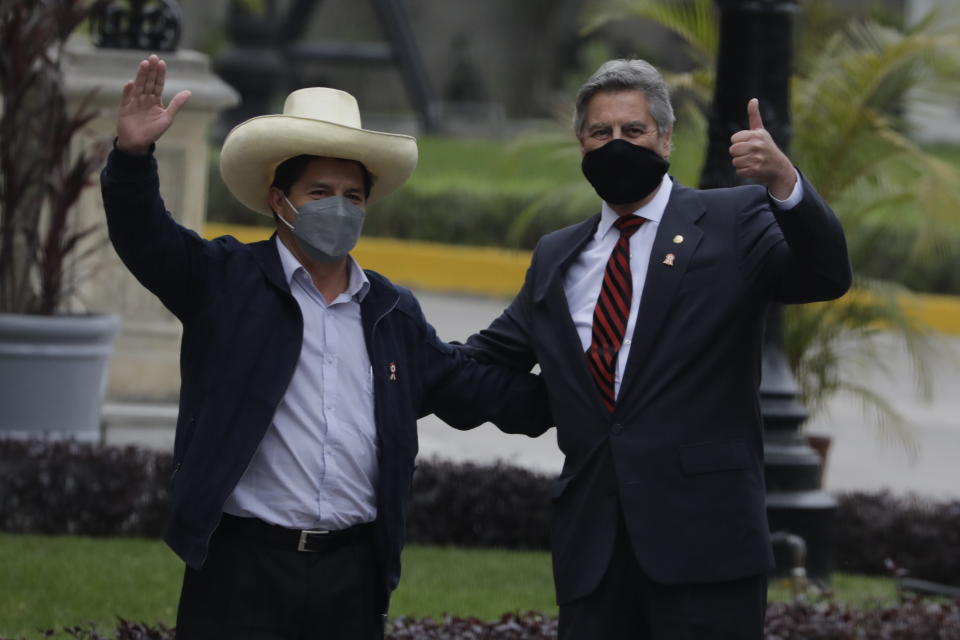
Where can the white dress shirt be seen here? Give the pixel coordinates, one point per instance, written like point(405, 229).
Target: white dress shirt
point(584, 277)
point(316, 467)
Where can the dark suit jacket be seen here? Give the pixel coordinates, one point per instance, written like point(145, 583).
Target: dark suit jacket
point(242, 334)
point(682, 454)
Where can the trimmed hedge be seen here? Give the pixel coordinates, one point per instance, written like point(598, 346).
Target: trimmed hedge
point(458, 197)
point(471, 505)
point(66, 487)
point(914, 620)
point(921, 536)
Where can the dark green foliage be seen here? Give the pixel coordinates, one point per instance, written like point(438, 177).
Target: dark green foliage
point(66, 487)
point(510, 626)
point(471, 505)
point(910, 621)
point(492, 211)
point(920, 536)
point(917, 620)
point(125, 631)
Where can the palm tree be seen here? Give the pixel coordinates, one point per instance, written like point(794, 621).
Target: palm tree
point(847, 112)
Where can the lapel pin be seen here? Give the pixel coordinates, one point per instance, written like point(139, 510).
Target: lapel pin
point(393, 371)
point(677, 239)
point(668, 260)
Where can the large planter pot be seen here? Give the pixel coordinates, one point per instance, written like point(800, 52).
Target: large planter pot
point(53, 374)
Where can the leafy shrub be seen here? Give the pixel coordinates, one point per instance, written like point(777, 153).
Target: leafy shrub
point(508, 195)
point(914, 620)
point(67, 487)
point(479, 506)
point(921, 536)
point(510, 626)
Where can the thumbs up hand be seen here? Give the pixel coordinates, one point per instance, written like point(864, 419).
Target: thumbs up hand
point(756, 156)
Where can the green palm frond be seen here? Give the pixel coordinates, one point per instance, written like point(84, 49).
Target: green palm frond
point(694, 21)
point(827, 341)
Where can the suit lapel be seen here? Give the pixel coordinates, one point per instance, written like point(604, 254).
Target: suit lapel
point(548, 291)
point(679, 219)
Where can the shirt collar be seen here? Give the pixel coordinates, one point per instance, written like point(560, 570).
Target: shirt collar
point(357, 285)
point(652, 211)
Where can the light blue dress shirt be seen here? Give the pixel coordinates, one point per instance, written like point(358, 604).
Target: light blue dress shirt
point(316, 467)
point(584, 276)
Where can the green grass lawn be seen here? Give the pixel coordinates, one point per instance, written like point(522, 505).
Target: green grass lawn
point(948, 152)
point(54, 582)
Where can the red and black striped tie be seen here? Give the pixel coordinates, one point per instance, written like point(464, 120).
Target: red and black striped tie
point(612, 311)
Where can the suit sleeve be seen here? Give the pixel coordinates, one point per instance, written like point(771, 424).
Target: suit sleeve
point(797, 255)
point(166, 258)
point(506, 341)
point(466, 393)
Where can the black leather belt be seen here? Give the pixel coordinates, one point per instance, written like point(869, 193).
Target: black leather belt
point(309, 540)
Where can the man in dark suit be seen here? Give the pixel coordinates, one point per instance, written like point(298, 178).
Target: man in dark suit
point(646, 320)
point(302, 375)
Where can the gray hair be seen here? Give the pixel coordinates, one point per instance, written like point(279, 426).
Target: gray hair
point(627, 75)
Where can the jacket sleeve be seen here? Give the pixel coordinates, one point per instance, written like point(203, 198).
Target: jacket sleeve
point(798, 255)
point(466, 393)
point(166, 258)
point(506, 341)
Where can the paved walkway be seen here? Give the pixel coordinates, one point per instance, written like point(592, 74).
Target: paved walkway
point(863, 455)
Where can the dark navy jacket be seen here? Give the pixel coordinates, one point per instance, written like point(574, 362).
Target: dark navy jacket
point(242, 334)
point(681, 456)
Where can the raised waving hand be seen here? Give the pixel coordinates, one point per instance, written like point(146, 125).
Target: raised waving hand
point(142, 118)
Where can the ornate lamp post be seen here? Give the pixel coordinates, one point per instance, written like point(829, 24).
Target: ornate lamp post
point(267, 48)
point(251, 63)
point(755, 58)
point(151, 25)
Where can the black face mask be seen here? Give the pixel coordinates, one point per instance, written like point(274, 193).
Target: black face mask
point(622, 172)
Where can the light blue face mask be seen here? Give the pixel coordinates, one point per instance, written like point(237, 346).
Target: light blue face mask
point(328, 228)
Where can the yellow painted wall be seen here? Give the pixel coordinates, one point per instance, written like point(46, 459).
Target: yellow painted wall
point(499, 272)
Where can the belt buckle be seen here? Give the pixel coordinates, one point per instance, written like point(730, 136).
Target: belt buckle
point(301, 546)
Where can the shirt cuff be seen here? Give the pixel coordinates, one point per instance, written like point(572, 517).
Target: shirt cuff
point(793, 199)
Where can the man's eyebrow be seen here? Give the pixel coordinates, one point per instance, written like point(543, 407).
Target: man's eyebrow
point(326, 185)
point(635, 123)
point(597, 125)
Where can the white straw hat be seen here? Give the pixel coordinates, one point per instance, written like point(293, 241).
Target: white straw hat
point(316, 121)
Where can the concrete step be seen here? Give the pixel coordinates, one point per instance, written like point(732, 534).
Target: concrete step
point(151, 426)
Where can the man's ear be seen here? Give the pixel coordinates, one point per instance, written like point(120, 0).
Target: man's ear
point(275, 198)
point(666, 143)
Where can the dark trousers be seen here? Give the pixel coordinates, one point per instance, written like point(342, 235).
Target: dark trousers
point(249, 589)
point(627, 604)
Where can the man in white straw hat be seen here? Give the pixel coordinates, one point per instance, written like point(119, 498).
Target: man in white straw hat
point(302, 375)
